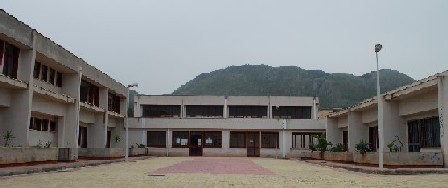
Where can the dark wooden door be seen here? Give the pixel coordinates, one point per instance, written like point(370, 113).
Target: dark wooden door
point(109, 134)
point(253, 144)
point(196, 144)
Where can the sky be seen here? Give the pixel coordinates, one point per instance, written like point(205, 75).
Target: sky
point(163, 44)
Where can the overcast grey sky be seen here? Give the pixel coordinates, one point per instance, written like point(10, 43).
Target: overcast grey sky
point(163, 44)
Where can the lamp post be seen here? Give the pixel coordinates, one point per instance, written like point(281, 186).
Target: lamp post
point(126, 148)
point(378, 48)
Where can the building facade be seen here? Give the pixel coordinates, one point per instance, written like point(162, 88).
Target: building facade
point(50, 97)
point(413, 119)
point(266, 126)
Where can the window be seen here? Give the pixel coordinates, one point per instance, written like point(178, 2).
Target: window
point(89, 93)
point(302, 140)
point(269, 140)
point(248, 111)
point(44, 75)
point(423, 133)
point(10, 59)
point(213, 139)
point(114, 103)
point(180, 139)
point(204, 111)
point(161, 110)
point(52, 126)
point(52, 80)
point(237, 140)
point(59, 79)
point(291, 112)
point(36, 71)
point(156, 139)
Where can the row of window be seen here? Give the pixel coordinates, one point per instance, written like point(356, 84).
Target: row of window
point(212, 139)
point(40, 124)
point(47, 74)
point(282, 112)
point(9, 57)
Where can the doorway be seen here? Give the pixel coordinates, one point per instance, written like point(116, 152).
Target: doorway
point(253, 144)
point(196, 145)
point(109, 134)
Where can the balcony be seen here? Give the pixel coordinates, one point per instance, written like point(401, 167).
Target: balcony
point(12, 83)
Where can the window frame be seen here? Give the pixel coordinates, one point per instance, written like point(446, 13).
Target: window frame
point(156, 145)
point(270, 133)
point(174, 139)
point(212, 133)
point(244, 139)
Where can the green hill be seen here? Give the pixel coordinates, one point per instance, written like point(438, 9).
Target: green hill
point(335, 90)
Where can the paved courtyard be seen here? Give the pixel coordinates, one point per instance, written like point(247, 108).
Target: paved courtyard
point(217, 172)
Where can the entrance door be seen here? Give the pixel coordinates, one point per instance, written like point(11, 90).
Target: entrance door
point(109, 134)
point(82, 137)
point(196, 143)
point(253, 144)
point(345, 140)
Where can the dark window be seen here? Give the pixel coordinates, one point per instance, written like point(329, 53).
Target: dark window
point(114, 103)
point(269, 140)
point(180, 139)
point(59, 79)
point(423, 133)
point(161, 110)
point(248, 111)
point(31, 126)
point(291, 112)
point(44, 125)
point(373, 138)
point(204, 111)
point(44, 76)
point(52, 76)
point(237, 140)
point(82, 137)
point(37, 124)
point(89, 93)
point(213, 139)
point(36, 71)
point(11, 59)
point(52, 126)
point(156, 139)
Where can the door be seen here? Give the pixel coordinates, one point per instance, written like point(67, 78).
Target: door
point(196, 143)
point(109, 133)
point(82, 137)
point(253, 144)
point(345, 140)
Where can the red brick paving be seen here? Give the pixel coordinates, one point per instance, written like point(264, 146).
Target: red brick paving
point(216, 166)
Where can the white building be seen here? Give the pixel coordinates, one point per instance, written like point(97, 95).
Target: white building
point(272, 126)
point(414, 117)
point(49, 96)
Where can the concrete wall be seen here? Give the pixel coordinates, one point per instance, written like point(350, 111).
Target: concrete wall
point(333, 132)
point(25, 155)
point(356, 130)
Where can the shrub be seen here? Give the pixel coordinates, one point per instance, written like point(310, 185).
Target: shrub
point(362, 147)
point(338, 148)
point(322, 144)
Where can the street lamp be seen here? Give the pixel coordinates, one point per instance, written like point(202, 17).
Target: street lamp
point(127, 125)
point(378, 48)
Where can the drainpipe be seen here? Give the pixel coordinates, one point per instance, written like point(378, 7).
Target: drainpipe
point(167, 139)
point(284, 126)
point(314, 108)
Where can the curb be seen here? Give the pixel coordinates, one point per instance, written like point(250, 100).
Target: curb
point(385, 171)
point(33, 170)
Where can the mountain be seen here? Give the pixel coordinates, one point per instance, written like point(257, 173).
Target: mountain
point(335, 90)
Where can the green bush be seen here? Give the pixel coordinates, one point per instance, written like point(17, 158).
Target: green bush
point(322, 144)
point(338, 148)
point(362, 147)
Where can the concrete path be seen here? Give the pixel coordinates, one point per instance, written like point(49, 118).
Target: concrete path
point(218, 172)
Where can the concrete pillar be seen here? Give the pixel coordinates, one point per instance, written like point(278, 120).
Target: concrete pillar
point(394, 126)
point(225, 111)
point(443, 116)
point(71, 86)
point(333, 132)
point(356, 130)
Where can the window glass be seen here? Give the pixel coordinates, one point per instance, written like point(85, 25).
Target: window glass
point(180, 138)
point(213, 139)
point(156, 138)
point(269, 140)
point(237, 140)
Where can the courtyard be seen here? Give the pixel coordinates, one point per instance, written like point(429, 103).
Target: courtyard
point(217, 172)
